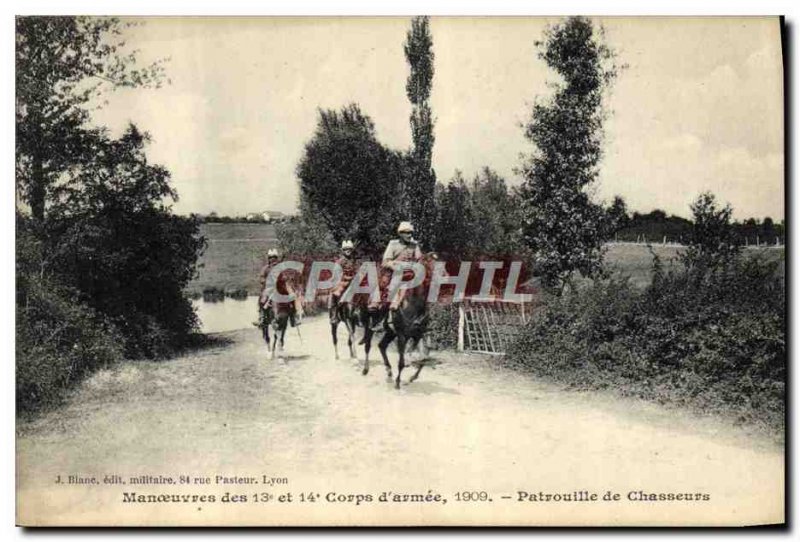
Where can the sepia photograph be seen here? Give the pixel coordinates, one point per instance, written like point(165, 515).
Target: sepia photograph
point(400, 271)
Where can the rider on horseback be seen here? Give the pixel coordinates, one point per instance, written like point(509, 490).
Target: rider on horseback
point(402, 250)
point(347, 262)
point(264, 298)
point(266, 310)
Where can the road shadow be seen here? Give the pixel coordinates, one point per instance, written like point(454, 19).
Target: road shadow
point(427, 388)
point(198, 342)
point(292, 357)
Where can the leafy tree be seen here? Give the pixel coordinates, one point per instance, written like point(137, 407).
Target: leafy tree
point(307, 236)
point(456, 225)
point(418, 200)
point(63, 65)
point(712, 240)
point(497, 215)
point(562, 226)
point(768, 231)
point(99, 209)
point(618, 213)
point(351, 180)
point(113, 239)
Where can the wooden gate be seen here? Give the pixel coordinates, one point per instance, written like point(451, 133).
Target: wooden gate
point(489, 326)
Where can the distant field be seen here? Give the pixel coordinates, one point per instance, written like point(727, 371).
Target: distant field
point(234, 256)
point(636, 261)
point(236, 252)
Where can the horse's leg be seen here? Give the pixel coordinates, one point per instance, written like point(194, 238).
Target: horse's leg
point(335, 325)
point(401, 349)
point(388, 337)
point(284, 325)
point(274, 345)
point(367, 345)
point(420, 363)
point(350, 323)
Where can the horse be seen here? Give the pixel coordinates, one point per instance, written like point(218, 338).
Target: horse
point(344, 312)
point(370, 319)
point(279, 314)
point(408, 323)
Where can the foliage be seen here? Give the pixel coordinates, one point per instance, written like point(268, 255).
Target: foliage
point(478, 219)
point(110, 237)
point(58, 339)
point(308, 236)
point(654, 227)
point(350, 180)
point(497, 216)
point(455, 224)
point(618, 213)
point(63, 65)
point(443, 326)
point(713, 339)
point(419, 186)
point(711, 241)
point(102, 272)
point(562, 226)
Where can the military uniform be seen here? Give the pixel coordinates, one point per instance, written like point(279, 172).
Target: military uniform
point(284, 284)
point(349, 266)
point(398, 251)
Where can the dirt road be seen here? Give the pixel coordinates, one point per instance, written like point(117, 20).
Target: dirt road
point(313, 425)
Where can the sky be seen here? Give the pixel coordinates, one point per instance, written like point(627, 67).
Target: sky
point(699, 106)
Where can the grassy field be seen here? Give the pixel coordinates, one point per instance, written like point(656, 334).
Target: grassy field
point(234, 256)
point(236, 253)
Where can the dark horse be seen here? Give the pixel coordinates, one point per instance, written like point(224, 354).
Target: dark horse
point(407, 324)
point(344, 312)
point(279, 314)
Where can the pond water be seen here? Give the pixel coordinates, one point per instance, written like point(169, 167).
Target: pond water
point(226, 315)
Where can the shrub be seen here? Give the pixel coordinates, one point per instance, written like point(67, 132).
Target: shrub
point(132, 267)
point(714, 339)
point(236, 293)
point(58, 342)
point(307, 236)
point(443, 325)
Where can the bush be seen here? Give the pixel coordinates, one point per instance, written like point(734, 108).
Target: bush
point(133, 268)
point(713, 339)
point(443, 326)
point(307, 236)
point(58, 342)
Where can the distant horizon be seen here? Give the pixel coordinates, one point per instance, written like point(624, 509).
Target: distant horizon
point(687, 216)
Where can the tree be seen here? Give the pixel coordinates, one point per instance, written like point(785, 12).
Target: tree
point(418, 200)
point(712, 240)
point(768, 231)
point(497, 216)
point(351, 180)
point(455, 226)
point(112, 238)
point(63, 65)
point(618, 213)
point(308, 236)
point(562, 226)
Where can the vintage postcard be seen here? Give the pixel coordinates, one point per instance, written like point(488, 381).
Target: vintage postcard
point(400, 271)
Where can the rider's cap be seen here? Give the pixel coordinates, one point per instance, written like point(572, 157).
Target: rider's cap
point(273, 252)
point(347, 244)
point(405, 227)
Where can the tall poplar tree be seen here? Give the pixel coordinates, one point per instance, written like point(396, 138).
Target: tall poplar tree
point(418, 194)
